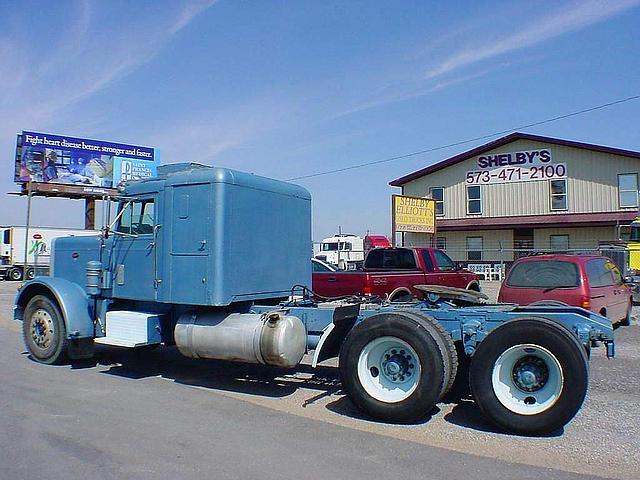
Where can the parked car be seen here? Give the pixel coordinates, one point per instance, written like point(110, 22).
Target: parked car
point(394, 272)
point(320, 266)
point(592, 282)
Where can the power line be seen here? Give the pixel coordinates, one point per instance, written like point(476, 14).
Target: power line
point(462, 142)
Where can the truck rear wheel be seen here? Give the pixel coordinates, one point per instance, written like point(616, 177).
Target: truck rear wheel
point(530, 376)
point(15, 274)
point(43, 329)
point(447, 349)
point(392, 367)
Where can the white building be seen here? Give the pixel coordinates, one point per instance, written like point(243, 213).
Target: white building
point(526, 192)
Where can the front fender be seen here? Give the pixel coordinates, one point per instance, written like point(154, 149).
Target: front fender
point(72, 300)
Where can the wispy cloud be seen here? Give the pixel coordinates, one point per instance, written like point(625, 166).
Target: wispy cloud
point(566, 19)
point(449, 59)
point(189, 12)
point(55, 76)
point(205, 135)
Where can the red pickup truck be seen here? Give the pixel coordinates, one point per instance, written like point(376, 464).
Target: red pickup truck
point(394, 272)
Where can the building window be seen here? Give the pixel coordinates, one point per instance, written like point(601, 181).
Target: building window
point(474, 248)
point(628, 190)
point(437, 193)
point(441, 243)
point(474, 204)
point(558, 194)
point(559, 243)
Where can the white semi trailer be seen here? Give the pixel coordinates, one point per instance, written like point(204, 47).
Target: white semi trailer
point(12, 245)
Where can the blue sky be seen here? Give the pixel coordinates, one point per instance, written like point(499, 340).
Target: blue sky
point(289, 88)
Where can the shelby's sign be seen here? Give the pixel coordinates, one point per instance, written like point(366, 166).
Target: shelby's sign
point(531, 157)
point(525, 166)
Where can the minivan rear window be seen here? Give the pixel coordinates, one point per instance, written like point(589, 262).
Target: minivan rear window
point(544, 274)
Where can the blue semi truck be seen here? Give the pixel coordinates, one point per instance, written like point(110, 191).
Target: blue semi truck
point(216, 262)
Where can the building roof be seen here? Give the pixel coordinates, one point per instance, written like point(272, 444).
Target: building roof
point(398, 182)
point(538, 221)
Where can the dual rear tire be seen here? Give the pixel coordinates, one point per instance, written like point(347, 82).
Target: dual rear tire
point(528, 376)
point(396, 366)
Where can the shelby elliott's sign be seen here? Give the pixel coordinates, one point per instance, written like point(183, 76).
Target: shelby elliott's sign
point(527, 166)
point(413, 214)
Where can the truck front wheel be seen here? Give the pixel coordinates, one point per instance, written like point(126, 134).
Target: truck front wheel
point(44, 331)
point(530, 376)
point(392, 368)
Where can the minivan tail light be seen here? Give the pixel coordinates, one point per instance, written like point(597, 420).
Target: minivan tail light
point(585, 303)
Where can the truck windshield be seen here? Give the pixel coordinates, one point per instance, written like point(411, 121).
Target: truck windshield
point(137, 219)
point(335, 246)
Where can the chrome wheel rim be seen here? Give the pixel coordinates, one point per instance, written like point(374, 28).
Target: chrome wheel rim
point(42, 329)
point(389, 369)
point(527, 379)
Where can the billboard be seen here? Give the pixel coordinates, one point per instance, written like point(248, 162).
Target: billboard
point(96, 165)
point(413, 214)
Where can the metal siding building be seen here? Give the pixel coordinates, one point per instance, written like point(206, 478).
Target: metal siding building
point(574, 211)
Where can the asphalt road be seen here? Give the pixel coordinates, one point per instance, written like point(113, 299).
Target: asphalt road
point(160, 415)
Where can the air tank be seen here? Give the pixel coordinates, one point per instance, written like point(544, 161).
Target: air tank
point(272, 338)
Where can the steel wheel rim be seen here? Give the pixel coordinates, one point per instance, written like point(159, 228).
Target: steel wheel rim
point(389, 369)
point(527, 379)
point(42, 329)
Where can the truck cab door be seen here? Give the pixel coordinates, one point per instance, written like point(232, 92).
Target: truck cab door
point(446, 270)
point(135, 251)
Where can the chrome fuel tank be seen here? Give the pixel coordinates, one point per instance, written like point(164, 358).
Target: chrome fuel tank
point(271, 338)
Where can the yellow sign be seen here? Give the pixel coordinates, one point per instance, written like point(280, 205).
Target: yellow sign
point(413, 214)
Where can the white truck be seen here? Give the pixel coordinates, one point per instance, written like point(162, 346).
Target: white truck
point(12, 245)
point(344, 250)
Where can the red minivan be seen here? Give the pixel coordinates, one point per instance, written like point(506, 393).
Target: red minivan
point(588, 281)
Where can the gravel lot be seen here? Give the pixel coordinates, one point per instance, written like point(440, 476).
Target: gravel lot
point(603, 440)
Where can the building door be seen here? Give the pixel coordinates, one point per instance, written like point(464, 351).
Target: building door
point(522, 242)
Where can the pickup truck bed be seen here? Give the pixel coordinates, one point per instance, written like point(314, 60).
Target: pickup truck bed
point(394, 272)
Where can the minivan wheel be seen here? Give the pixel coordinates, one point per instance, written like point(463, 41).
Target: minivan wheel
point(626, 321)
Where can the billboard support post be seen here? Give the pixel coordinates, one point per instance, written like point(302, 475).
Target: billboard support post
point(89, 213)
point(26, 232)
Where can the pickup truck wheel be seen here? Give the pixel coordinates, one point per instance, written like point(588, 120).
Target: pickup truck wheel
point(530, 376)
point(392, 368)
point(401, 295)
point(44, 331)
